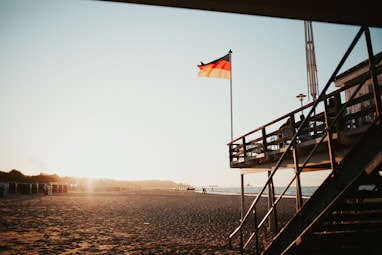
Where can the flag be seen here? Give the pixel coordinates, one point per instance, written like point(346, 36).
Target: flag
point(219, 68)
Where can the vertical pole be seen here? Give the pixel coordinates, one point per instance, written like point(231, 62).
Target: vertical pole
point(373, 75)
point(271, 203)
point(242, 184)
point(298, 187)
point(230, 91)
point(329, 134)
point(242, 211)
point(339, 126)
point(296, 166)
point(242, 195)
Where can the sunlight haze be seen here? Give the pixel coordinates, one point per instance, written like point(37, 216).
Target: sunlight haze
point(110, 90)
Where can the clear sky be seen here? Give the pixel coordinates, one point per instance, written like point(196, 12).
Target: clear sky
point(110, 90)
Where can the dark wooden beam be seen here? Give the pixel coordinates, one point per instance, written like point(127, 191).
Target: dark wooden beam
point(366, 12)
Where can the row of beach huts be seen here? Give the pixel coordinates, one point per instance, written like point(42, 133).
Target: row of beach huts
point(31, 188)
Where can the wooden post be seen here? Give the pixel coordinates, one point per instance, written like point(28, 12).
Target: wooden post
point(329, 135)
point(271, 203)
point(337, 107)
point(242, 196)
point(296, 167)
point(373, 75)
point(264, 140)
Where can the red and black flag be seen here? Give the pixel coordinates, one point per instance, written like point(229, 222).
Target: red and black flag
point(219, 68)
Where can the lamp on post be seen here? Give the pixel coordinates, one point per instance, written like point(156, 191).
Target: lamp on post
point(301, 98)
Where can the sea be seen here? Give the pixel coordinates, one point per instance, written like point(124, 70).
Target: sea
point(306, 191)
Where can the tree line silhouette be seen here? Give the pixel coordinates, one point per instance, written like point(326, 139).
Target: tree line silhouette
point(17, 176)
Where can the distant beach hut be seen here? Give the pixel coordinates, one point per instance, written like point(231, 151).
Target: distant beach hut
point(41, 188)
point(26, 188)
point(3, 189)
point(48, 189)
point(12, 187)
point(19, 187)
point(34, 188)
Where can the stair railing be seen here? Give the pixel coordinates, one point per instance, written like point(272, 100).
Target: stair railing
point(322, 98)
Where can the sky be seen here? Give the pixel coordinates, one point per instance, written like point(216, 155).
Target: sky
point(110, 90)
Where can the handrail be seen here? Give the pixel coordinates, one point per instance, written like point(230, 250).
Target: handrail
point(272, 122)
point(322, 98)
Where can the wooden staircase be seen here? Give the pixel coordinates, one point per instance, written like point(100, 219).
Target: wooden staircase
point(344, 215)
point(339, 217)
point(352, 228)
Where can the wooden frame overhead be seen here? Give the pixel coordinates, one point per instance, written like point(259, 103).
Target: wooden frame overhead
point(366, 12)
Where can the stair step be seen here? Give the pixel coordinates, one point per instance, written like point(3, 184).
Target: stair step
point(348, 226)
point(370, 204)
point(343, 242)
point(355, 216)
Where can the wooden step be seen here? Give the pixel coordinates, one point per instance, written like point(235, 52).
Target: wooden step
point(343, 242)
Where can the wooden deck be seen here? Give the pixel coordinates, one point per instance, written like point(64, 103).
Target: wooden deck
point(334, 129)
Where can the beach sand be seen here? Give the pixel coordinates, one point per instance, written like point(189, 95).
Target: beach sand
point(132, 222)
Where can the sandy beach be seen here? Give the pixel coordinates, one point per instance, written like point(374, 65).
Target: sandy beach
point(132, 222)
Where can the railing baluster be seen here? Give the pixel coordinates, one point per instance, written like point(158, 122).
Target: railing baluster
point(244, 149)
point(373, 75)
point(256, 231)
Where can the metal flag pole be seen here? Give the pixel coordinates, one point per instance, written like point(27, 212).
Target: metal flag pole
point(230, 91)
point(231, 106)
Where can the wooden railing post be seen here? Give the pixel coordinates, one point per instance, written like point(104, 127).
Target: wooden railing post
point(339, 126)
point(296, 166)
point(329, 133)
point(256, 231)
point(244, 149)
point(230, 153)
point(373, 75)
point(271, 203)
point(265, 147)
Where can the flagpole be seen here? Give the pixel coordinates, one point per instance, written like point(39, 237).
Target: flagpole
point(241, 175)
point(230, 90)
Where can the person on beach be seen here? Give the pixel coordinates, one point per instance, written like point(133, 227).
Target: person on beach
point(304, 134)
point(285, 132)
